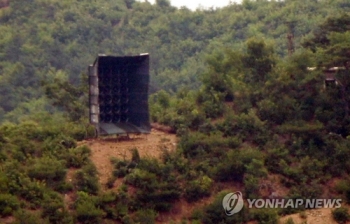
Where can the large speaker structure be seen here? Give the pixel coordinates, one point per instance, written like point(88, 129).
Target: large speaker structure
point(119, 94)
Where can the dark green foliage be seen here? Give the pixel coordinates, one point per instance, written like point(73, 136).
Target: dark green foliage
point(339, 24)
point(214, 213)
point(47, 169)
point(197, 189)
point(156, 185)
point(27, 217)
point(108, 202)
point(64, 96)
point(247, 126)
point(273, 159)
point(86, 209)
point(65, 43)
point(146, 216)
point(341, 215)
point(259, 61)
point(78, 157)
point(8, 204)
point(135, 156)
point(54, 209)
point(86, 179)
point(234, 165)
point(198, 145)
point(265, 216)
point(254, 112)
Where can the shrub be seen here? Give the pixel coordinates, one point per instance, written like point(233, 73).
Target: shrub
point(26, 217)
point(247, 126)
point(107, 202)
point(273, 159)
point(78, 157)
point(86, 210)
point(341, 215)
point(197, 214)
point(233, 166)
point(47, 169)
point(86, 179)
point(135, 156)
point(214, 213)
point(33, 191)
point(194, 190)
point(147, 216)
point(211, 102)
point(199, 145)
point(120, 167)
point(54, 209)
point(342, 186)
point(265, 216)
point(268, 110)
point(142, 179)
point(303, 190)
point(8, 204)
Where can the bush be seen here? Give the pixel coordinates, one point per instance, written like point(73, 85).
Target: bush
point(135, 156)
point(78, 157)
point(147, 216)
point(247, 126)
point(142, 179)
point(265, 216)
point(199, 145)
point(273, 159)
point(211, 103)
point(120, 167)
point(54, 209)
point(214, 212)
point(8, 204)
point(26, 217)
point(108, 202)
point(33, 191)
point(233, 166)
point(341, 215)
point(47, 169)
point(86, 179)
point(154, 191)
point(86, 210)
point(194, 190)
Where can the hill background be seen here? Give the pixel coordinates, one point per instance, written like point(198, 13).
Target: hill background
point(246, 115)
point(43, 40)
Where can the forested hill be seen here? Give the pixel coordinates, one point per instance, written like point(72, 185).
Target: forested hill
point(43, 39)
point(247, 115)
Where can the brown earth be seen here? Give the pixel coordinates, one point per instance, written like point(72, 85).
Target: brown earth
point(152, 145)
point(103, 149)
point(314, 216)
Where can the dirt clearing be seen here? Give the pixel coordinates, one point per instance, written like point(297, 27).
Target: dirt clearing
point(103, 149)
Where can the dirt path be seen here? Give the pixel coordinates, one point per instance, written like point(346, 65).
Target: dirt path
point(148, 145)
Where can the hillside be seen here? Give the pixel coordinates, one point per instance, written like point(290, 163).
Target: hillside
point(102, 150)
point(243, 114)
point(45, 40)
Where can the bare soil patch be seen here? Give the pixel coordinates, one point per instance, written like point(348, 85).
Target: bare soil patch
point(314, 216)
point(103, 149)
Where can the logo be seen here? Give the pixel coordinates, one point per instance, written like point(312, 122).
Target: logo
point(232, 203)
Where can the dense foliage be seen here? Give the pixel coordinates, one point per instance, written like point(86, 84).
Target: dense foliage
point(246, 115)
point(40, 40)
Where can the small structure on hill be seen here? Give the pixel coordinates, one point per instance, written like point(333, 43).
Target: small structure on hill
point(118, 94)
point(329, 75)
